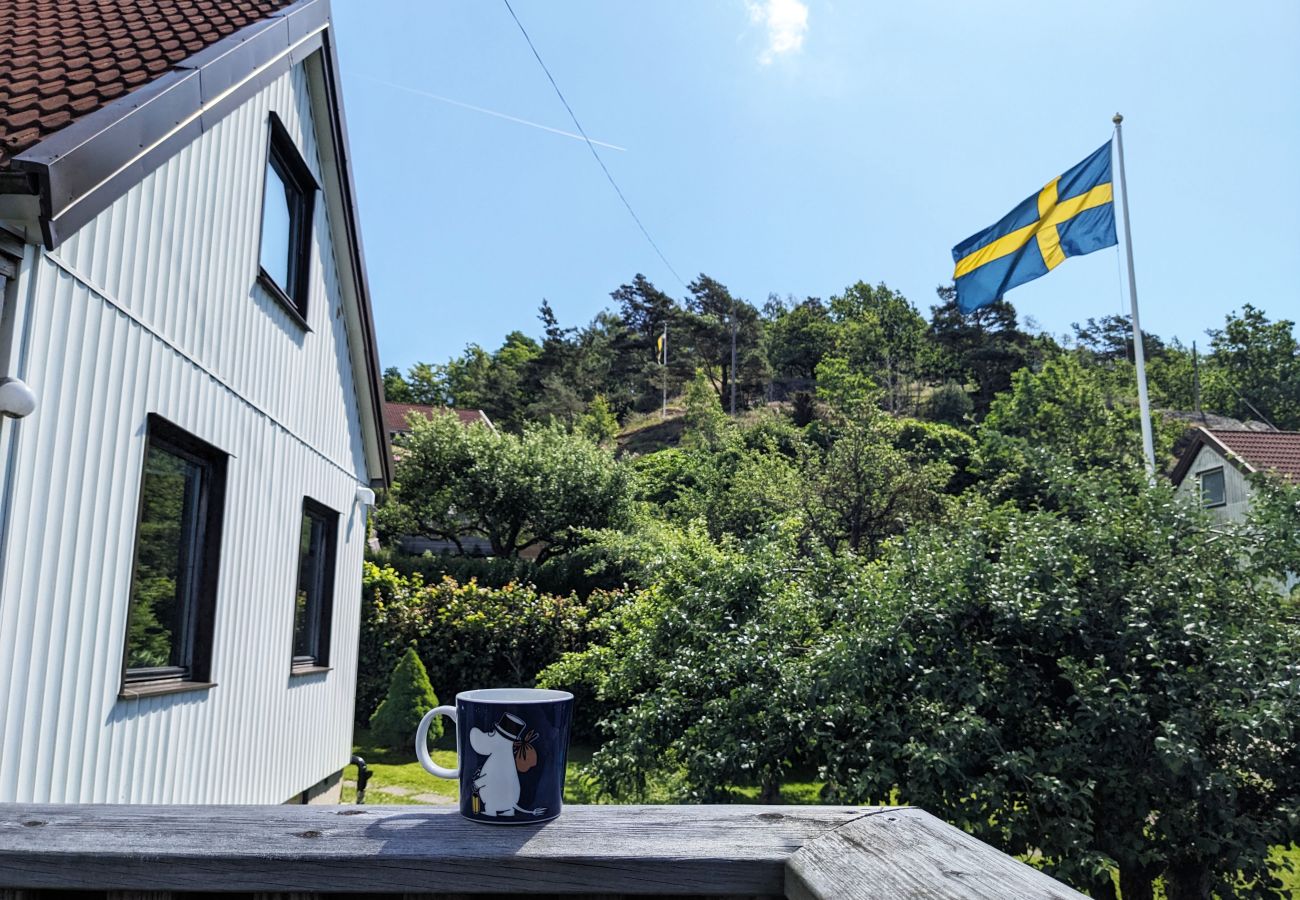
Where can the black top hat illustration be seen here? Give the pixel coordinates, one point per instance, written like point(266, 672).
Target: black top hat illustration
point(511, 726)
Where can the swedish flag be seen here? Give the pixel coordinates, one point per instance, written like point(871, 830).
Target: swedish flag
point(1073, 215)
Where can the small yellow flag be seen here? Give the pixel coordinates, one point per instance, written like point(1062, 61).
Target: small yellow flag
point(659, 348)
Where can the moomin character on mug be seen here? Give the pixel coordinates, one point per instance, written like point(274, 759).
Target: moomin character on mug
point(509, 752)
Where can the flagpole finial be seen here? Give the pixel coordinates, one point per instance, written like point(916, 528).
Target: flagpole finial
point(1118, 118)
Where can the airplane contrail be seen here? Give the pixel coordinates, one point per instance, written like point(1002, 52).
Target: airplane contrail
point(491, 112)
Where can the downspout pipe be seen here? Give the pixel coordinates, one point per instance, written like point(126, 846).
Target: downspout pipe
point(363, 776)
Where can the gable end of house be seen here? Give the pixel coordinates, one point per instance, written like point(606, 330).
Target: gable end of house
point(81, 169)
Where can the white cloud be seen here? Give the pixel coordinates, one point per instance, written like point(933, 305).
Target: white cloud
point(786, 22)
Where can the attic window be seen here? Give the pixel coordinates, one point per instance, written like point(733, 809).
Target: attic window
point(286, 223)
point(1211, 482)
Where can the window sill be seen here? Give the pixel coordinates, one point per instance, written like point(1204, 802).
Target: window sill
point(309, 670)
point(277, 293)
point(157, 689)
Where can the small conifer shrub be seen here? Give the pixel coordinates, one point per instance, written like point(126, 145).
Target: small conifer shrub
point(410, 696)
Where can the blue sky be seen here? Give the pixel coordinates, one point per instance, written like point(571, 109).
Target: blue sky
point(796, 147)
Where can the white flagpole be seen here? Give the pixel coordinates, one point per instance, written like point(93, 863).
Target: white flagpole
point(1139, 354)
point(663, 374)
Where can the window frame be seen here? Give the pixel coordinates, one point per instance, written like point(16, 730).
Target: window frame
point(283, 155)
point(1200, 486)
point(320, 615)
point(201, 602)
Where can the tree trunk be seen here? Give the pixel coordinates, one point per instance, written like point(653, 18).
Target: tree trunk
point(769, 792)
point(1137, 882)
point(1187, 880)
point(1103, 889)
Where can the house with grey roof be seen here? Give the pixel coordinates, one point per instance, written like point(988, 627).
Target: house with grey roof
point(194, 421)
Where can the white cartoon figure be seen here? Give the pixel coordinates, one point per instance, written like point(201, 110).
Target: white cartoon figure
point(496, 783)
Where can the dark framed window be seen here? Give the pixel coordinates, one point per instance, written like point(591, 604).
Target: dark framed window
point(177, 552)
point(314, 600)
point(1212, 490)
point(287, 201)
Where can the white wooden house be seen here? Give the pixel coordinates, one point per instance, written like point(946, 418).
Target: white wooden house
point(1215, 467)
point(187, 339)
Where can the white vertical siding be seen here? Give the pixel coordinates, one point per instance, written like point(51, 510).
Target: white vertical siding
point(1236, 490)
point(152, 308)
point(179, 252)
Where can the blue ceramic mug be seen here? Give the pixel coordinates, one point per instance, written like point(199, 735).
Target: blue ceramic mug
point(512, 745)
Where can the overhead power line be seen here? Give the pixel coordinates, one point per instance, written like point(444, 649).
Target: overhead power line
point(591, 146)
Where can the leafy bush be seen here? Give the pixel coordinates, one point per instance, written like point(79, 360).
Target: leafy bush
point(1110, 685)
point(702, 683)
point(533, 491)
point(949, 403)
point(935, 442)
point(567, 574)
point(410, 696)
point(471, 636)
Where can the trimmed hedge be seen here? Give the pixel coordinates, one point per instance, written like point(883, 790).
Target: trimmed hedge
point(468, 636)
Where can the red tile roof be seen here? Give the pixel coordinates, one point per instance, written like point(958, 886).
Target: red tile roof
point(1263, 451)
point(395, 415)
point(62, 59)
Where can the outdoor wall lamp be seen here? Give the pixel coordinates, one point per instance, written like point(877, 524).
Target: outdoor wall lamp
point(17, 399)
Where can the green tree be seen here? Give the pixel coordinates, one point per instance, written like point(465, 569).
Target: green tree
point(1110, 339)
point(538, 489)
point(431, 385)
point(706, 423)
point(493, 382)
point(985, 347)
point(1274, 522)
point(613, 362)
point(410, 696)
point(882, 335)
point(935, 442)
point(1102, 687)
point(846, 390)
point(644, 311)
point(711, 315)
point(1063, 414)
point(864, 488)
point(598, 423)
point(798, 337)
point(1256, 363)
point(396, 390)
point(949, 403)
point(695, 673)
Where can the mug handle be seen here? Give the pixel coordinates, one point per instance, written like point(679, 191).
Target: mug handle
point(422, 743)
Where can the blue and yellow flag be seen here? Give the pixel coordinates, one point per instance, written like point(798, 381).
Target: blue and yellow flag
point(1073, 215)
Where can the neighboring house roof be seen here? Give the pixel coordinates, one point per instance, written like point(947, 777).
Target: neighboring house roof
point(1250, 451)
point(395, 415)
point(63, 59)
point(1213, 421)
point(95, 95)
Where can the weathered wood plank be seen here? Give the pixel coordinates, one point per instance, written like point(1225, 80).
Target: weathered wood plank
point(907, 853)
point(717, 850)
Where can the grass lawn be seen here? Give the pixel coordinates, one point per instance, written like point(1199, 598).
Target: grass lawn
point(401, 770)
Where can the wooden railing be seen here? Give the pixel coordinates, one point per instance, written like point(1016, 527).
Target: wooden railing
point(162, 852)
